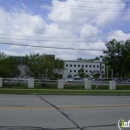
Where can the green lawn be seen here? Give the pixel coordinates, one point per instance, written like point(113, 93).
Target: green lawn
point(101, 90)
point(64, 91)
point(58, 92)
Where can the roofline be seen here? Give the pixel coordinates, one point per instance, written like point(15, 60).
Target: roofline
point(82, 61)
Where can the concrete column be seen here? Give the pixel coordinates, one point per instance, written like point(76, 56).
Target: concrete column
point(60, 84)
point(31, 83)
point(1, 81)
point(112, 85)
point(87, 84)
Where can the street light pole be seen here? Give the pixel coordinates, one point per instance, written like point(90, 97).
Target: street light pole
point(112, 73)
point(125, 75)
point(107, 72)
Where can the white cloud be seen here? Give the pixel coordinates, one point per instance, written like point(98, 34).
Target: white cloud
point(26, 23)
point(10, 53)
point(80, 12)
point(14, 47)
point(67, 28)
point(111, 14)
point(119, 35)
point(88, 29)
point(20, 27)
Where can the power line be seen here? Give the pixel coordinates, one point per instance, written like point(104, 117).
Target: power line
point(102, 1)
point(80, 49)
point(49, 40)
point(39, 1)
point(74, 7)
point(77, 37)
point(54, 40)
point(58, 35)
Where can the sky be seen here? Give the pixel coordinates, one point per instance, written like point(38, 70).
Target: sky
point(68, 29)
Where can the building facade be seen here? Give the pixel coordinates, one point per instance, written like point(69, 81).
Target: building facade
point(71, 67)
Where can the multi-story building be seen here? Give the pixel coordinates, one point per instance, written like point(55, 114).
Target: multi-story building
point(72, 67)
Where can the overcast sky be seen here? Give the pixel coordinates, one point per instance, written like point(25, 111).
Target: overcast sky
point(78, 24)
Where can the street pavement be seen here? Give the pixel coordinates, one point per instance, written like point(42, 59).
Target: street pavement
point(62, 112)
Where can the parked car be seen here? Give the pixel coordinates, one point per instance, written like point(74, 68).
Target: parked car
point(76, 79)
point(128, 80)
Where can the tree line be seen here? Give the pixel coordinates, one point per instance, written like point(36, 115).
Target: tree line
point(116, 57)
point(34, 65)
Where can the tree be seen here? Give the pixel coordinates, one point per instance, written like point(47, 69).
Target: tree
point(58, 68)
point(115, 56)
point(96, 58)
point(42, 66)
point(126, 54)
point(79, 59)
point(81, 72)
point(8, 66)
point(69, 75)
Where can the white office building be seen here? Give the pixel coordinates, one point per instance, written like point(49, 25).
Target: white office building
point(72, 67)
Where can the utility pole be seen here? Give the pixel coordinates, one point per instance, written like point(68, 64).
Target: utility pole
point(112, 73)
point(107, 71)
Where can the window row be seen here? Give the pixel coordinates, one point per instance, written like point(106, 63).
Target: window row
point(84, 71)
point(78, 71)
point(84, 66)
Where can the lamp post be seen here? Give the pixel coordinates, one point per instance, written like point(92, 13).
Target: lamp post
point(107, 71)
point(125, 75)
point(112, 73)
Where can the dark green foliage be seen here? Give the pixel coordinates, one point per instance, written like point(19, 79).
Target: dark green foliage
point(42, 66)
point(8, 66)
point(81, 73)
point(96, 58)
point(117, 57)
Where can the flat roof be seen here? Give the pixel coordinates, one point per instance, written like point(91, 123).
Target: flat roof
point(83, 61)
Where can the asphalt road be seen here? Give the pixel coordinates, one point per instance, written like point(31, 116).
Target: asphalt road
point(62, 112)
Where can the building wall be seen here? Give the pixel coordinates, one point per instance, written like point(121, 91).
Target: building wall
point(72, 67)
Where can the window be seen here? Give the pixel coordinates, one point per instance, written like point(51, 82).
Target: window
point(90, 71)
point(70, 65)
point(93, 65)
point(70, 70)
point(82, 65)
point(86, 71)
point(97, 66)
point(89, 65)
point(74, 65)
point(86, 65)
point(78, 65)
point(74, 70)
point(66, 65)
point(102, 66)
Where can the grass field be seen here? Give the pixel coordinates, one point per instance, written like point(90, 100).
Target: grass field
point(67, 92)
point(100, 87)
point(73, 90)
